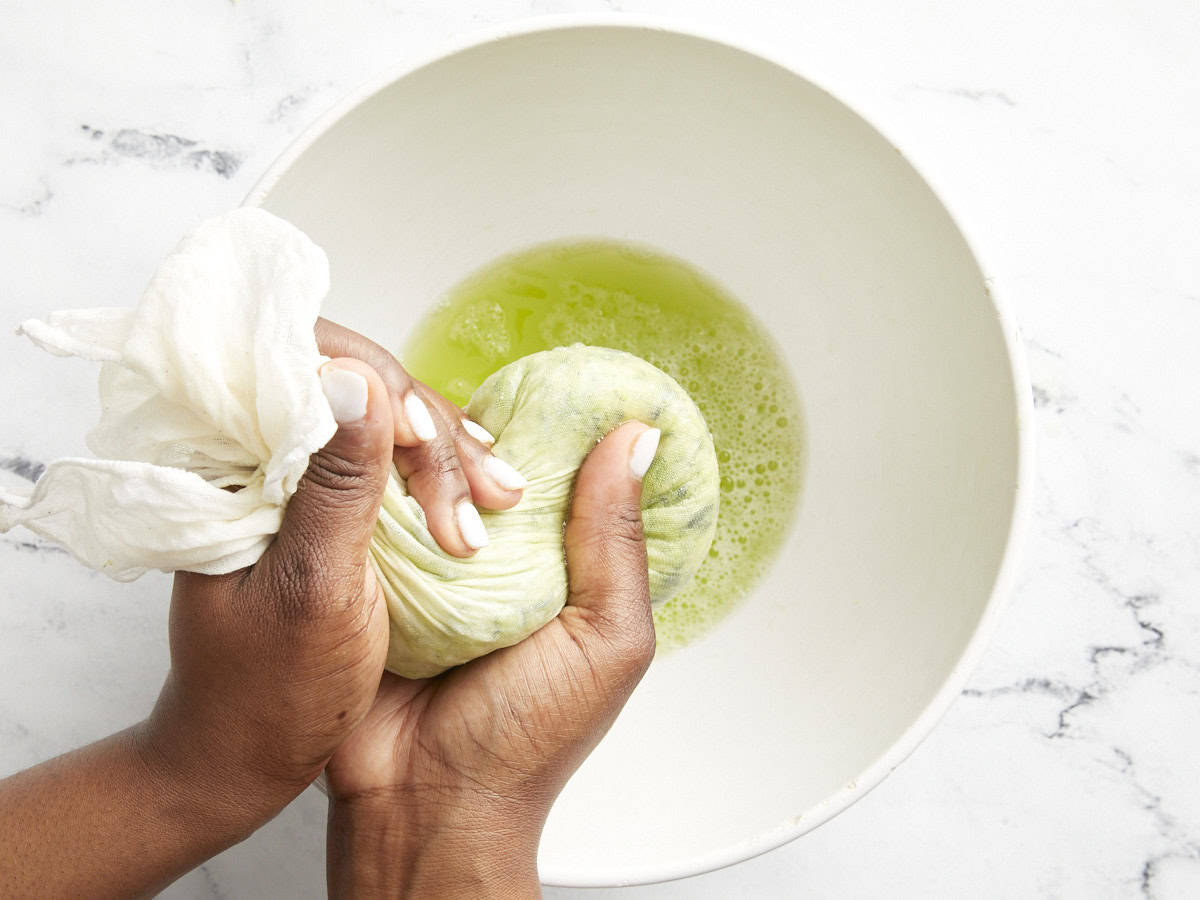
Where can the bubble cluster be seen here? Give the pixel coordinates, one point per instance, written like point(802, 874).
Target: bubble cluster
point(664, 311)
point(480, 328)
point(740, 385)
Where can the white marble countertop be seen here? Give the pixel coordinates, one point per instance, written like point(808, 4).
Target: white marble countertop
point(1068, 142)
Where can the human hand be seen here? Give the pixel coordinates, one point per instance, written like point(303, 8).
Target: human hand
point(271, 667)
point(444, 787)
point(444, 457)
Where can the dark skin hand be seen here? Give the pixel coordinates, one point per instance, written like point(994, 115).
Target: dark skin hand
point(443, 789)
point(271, 668)
point(442, 472)
point(276, 671)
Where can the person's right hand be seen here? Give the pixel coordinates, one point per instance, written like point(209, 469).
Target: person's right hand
point(444, 787)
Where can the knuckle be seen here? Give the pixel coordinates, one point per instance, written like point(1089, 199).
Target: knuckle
point(336, 340)
point(624, 637)
point(621, 523)
point(631, 637)
point(336, 487)
point(440, 462)
point(393, 374)
point(336, 474)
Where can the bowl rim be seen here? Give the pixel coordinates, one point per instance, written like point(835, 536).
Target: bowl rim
point(952, 686)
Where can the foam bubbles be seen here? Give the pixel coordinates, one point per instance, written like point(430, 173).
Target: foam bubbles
point(664, 311)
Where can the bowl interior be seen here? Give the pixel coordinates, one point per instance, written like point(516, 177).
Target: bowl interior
point(783, 714)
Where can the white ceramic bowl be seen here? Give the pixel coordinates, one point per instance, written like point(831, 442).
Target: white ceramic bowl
point(863, 632)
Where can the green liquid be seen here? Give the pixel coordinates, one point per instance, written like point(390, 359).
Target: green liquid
point(661, 309)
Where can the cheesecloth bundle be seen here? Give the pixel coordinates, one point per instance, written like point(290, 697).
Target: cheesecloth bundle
point(212, 404)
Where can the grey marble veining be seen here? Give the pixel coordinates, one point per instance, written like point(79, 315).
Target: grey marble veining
point(157, 150)
point(1066, 142)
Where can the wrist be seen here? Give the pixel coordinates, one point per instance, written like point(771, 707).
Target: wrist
point(204, 781)
point(419, 844)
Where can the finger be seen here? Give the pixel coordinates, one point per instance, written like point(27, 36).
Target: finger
point(436, 481)
point(330, 519)
point(606, 552)
point(455, 475)
point(414, 425)
point(429, 424)
point(435, 478)
point(494, 482)
point(477, 431)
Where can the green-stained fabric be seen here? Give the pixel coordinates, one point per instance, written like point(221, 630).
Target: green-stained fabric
point(547, 411)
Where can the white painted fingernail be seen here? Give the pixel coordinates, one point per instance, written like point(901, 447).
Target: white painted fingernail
point(504, 474)
point(346, 392)
point(644, 449)
point(419, 418)
point(478, 432)
point(470, 526)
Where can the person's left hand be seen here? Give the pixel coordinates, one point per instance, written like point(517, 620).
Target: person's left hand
point(444, 457)
point(272, 666)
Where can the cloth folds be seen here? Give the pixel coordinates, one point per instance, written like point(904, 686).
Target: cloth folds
point(210, 383)
point(212, 405)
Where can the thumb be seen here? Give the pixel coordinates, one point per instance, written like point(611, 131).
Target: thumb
point(331, 517)
point(606, 552)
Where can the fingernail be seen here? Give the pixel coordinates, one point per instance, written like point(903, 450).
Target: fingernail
point(478, 432)
point(504, 474)
point(346, 392)
point(418, 417)
point(644, 449)
point(470, 526)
